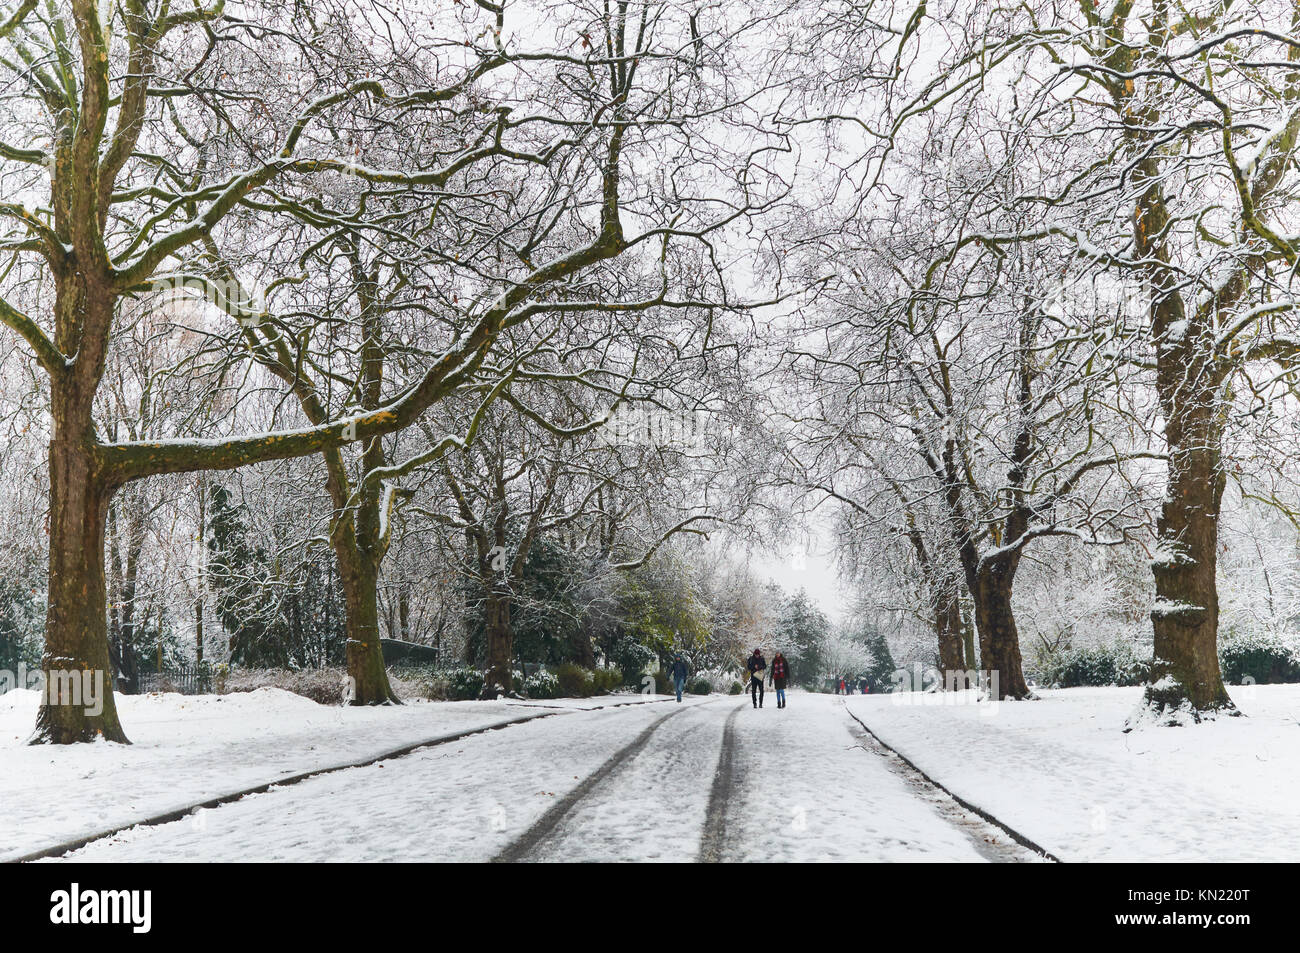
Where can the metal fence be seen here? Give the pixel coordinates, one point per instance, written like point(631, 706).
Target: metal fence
point(185, 679)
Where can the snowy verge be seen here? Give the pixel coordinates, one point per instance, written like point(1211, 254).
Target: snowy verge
point(1063, 772)
point(191, 749)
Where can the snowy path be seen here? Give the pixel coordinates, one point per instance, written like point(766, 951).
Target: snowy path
point(710, 779)
point(805, 787)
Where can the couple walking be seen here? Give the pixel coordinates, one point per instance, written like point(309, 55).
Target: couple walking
point(757, 665)
point(778, 677)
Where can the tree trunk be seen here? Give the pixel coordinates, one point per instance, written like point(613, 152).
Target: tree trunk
point(945, 606)
point(198, 632)
point(968, 638)
point(500, 643)
point(948, 629)
point(365, 654)
point(202, 580)
point(996, 624)
point(358, 553)
point(78, 703)
point(583, 649)
point(1186, 683)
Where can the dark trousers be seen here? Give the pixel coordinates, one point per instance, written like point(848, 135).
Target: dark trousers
point(756, 689)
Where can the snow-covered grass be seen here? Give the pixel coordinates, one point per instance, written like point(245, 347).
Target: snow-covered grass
point(1063, 772)
point(193, 748)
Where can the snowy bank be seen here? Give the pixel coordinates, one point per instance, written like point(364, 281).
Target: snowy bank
point(1062, 772)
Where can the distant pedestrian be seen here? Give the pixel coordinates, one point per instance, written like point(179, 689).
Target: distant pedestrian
point(843, 689)
point(780, 675)
point(756, 665)
point(678, 673)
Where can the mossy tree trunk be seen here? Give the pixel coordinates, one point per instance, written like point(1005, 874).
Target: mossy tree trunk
point(495, 569)
point(945, 611)
point(996, 623)
point(367, 675)
point(952, 651)
point(361, 527)
point(1185, 682)
point(76, 656)
point(500, 635)
point(76, 628)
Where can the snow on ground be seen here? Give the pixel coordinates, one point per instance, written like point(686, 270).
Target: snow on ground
point(803, 789)
point(653, 807)
point(598, 782)
point(463, 801)
point(808, 791)
point(192, 748)
point(1063, 773)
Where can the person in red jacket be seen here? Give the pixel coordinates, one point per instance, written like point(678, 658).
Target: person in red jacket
point(779, 675)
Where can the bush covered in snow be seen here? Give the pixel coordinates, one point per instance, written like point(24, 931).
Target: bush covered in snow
point(699, 686)
point(464, 684)
point(719, 679)
point(1114, 664)
point(1264, 658)
point(574, 680)
point(542, 684)
point(436, 684)
point(325, 686)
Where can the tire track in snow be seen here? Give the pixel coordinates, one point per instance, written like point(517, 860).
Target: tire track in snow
point(544, 826)
point(952, 806)
point(714, 835)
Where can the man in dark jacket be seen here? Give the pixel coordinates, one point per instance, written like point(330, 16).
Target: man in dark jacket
point(756, 666)
point(678, 672)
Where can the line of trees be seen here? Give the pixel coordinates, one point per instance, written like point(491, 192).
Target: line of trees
point(1055, 290)
point(538, 293)
point(363, 209)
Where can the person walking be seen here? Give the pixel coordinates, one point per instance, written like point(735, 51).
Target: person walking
point(678, 672)
point(780, 676)
point(756, 665)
